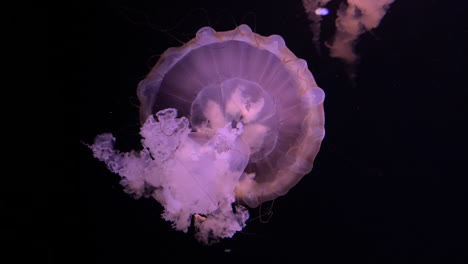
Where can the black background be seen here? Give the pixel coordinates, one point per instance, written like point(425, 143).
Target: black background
point(388, 183)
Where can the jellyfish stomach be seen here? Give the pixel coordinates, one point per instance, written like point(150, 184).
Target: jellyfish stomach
point(238, 101)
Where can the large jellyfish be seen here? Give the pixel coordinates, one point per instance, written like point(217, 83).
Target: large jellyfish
point(229, 120)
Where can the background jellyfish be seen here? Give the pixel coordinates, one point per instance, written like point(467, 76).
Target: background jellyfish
point(354, 17)
point(228, 116)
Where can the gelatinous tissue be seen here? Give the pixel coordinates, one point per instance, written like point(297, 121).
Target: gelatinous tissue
point(229, 120)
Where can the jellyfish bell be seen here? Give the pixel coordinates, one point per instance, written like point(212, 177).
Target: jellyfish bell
point(250, 124)
point(240, 76)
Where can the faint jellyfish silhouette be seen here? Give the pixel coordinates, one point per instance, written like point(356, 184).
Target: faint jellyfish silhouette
point(251, 124)
point(353, 18)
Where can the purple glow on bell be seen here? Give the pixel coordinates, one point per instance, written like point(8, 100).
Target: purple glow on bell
point(322, 11)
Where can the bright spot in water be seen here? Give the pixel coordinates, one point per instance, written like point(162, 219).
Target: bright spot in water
point(227, 250)
point(321, 11)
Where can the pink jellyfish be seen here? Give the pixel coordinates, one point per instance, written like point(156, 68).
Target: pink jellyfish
point(228, 118)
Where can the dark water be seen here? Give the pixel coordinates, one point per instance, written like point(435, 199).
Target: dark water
point(388, 183)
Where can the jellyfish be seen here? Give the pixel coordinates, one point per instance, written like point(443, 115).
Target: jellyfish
point(353, 18)
point(228, 121)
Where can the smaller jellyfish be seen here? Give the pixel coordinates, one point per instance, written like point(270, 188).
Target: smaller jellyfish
point(353, 18)
point(229, 120)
